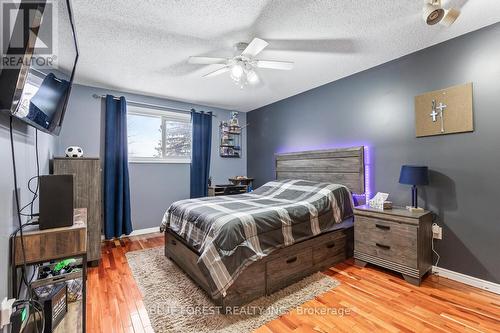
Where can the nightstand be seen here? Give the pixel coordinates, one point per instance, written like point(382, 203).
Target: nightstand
point(396, 239)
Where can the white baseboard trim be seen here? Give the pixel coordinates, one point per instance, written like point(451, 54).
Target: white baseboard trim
point(139, 232)
point(145, 231)
point(466, 279)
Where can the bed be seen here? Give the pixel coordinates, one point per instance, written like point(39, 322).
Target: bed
point(238, 248)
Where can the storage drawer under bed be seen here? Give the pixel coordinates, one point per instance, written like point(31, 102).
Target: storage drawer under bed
point(329, 252)
point(326, 251)
point(284, 270)
point(280, 269)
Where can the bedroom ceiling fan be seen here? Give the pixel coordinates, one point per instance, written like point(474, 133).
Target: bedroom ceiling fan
point(243, 67)
point(433, 13)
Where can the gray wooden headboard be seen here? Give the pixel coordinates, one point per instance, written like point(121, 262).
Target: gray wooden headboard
point(344, 166)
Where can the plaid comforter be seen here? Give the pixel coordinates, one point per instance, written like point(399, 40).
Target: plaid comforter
point(230, 232)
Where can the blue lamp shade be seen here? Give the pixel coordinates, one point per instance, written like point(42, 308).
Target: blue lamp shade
point(414, 175)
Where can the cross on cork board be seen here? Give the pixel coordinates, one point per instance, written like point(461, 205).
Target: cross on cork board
point(444, 111)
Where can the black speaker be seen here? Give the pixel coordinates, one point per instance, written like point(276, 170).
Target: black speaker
point(56, 201)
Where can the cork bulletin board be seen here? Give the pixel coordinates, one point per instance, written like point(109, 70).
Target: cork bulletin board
point(444, 111)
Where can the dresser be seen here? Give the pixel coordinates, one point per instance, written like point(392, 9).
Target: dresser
point(396, 239)
point(87, 194)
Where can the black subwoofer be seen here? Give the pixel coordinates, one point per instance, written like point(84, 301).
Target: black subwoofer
point(56, 201)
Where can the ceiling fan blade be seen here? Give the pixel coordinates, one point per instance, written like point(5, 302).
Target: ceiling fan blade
point(206, 60)
point(283, 65)
point(255, 47)
point(217, 72)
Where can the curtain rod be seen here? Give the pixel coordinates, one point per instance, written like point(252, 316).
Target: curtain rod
point(43, 73)
point(156, 106)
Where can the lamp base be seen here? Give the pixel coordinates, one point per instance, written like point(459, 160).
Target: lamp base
point(415, 210)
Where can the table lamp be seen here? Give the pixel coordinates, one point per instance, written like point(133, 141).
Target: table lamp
point(414, 175)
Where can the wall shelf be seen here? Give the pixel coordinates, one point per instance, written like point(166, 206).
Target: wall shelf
point(229, 140)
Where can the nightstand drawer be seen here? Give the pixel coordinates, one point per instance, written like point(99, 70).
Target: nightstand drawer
point(385, 231)
point(403, 255)
point(387, 240)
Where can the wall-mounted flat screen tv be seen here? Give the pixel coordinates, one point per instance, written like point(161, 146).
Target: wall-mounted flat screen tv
point(39, 55)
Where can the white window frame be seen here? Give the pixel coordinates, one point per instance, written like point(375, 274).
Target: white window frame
point(164, 115)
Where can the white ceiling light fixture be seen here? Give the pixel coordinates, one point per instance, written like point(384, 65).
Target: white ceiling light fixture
point(450, 17)
point(237, 70)
point(252, 77)
point(434, 13)
point(243, 67)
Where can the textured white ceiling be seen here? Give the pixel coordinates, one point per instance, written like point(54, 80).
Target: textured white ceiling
point(142, 46)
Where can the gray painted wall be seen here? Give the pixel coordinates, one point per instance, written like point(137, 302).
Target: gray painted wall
point(153, 186)
point(376, 108)
point(24, 141)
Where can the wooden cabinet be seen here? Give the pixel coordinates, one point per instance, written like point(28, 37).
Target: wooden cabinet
point(395, 239)
point(52, 245)
point(87, 194)
point(62, 242)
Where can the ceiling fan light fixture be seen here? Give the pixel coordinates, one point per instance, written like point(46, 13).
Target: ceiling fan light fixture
point(450, 17)
point(252, 77)
point(237, 71)
point(433, 13)
point(242, 68)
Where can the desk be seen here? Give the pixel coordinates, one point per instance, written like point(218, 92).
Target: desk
point(217, 190)
point(242, 181)
point(56, 244)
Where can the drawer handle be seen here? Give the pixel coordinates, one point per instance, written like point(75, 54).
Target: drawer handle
point(387, 247)
point(330, 245)
point(383, 227)
point(173, 242)
point(291, 260)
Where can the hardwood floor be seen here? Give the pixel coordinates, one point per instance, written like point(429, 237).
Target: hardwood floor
point(368, 300)
point(114, 302)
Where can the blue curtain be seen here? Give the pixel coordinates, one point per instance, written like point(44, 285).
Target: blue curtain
point(200, 154)
point(116, 182)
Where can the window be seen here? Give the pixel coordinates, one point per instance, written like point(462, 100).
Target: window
point(158, 136)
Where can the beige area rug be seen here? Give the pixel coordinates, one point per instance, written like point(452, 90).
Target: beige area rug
point(176, 304)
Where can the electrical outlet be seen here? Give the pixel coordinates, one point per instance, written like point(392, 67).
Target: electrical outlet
point(437, 231)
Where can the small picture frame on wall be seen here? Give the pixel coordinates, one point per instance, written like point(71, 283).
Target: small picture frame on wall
point(444, 111)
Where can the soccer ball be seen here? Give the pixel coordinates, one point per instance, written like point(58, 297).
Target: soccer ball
point(73, 151)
